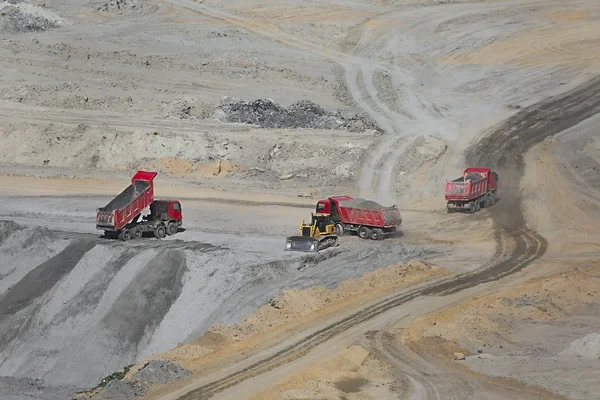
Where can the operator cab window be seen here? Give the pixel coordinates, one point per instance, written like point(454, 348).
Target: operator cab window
point(176, 207)
point(320, 207)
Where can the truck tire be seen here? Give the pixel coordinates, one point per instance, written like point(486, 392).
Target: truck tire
point(160, 232)
point(493, 199)
point(364, 232)
point(171, 228)
point(339, 229)
point(125, 235)
point(376, 234)
point(487, 201)
point(136, 233)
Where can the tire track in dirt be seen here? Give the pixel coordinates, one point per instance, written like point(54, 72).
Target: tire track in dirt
point(434, 380)
point(504, 145)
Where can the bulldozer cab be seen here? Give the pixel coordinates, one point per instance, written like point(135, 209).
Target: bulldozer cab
point(319, 225)
point(319, 234)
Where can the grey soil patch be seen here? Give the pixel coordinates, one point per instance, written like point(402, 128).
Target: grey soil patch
point(32, 389)
point(91, 293)
point(152, 295)
point(43, 278)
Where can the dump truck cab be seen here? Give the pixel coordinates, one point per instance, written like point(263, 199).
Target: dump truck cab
point(165, 210)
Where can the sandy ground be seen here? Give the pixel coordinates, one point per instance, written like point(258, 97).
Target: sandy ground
point(92, 91)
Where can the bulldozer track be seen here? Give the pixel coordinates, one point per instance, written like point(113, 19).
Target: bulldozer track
point(503, 148)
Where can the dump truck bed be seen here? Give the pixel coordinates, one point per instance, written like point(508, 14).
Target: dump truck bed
point(369, 213)
point(465, 188)
point(128, 204)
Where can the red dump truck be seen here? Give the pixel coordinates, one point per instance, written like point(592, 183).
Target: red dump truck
point(122, 217)
point(476, 188)
point(368, 218)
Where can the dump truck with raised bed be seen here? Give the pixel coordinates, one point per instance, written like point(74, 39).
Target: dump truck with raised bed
point(368, 218)
point(476, 188)
point(122, 217)
point(318, 235)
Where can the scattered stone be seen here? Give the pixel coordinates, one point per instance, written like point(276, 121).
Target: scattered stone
point(286, 177)
point(459, 356)
point(303, 114)
point(160, 372)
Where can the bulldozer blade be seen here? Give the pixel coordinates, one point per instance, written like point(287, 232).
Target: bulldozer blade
point(302, 243)
point(309, 244)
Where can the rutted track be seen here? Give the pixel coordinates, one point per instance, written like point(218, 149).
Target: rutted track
point(503, 148)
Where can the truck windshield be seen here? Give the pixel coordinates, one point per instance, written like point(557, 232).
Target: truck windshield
point(176, 207)
point(320, 207)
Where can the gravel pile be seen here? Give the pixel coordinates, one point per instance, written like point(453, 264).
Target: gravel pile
point(121, 6)
point(17, 16)
point(121, 390)
point(160, 372)
point(303, 114)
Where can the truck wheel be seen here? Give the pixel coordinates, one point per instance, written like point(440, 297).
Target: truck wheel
point(339, 229)
point(171, 229)
point(160, 232)
point(493, 199)
point(476, 206)
point(136, 233)
point(125, 235)
point(377, 234)
point(364, 232)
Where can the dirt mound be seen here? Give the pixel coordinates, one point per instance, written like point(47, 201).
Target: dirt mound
point(160, 371)
point(122, 6)
point(303, 114)
point(16, 17)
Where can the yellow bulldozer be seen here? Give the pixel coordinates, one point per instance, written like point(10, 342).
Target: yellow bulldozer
point(318, 235)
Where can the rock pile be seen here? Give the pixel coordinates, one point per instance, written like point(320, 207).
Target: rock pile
point(160, 372)
point(121, 6)
point(303, 114)
point(17, 16)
